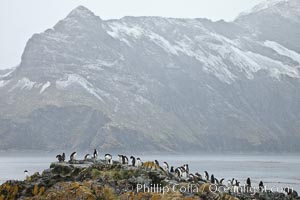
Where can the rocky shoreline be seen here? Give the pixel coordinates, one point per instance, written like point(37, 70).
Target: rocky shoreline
point(90, 179)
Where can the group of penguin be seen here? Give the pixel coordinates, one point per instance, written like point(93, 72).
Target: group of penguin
point(62, 157)
point(179, 172)
point(135, 162)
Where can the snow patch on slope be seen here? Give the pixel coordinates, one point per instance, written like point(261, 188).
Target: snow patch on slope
point(4, 83)
point(218, 55)
point(121, 30)
point(99, 64)
point(7, 74)
point(141, 100)
point(44, 87)
point(213, 54)
point(163, 43)
point(283, 51)
point(243, 61)
point(24, 83)
point(276, 68)
point(107, 63)
point(76, 79)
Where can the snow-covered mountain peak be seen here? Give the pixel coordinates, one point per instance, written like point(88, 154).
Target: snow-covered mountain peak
point(267, 4)
point(79, 17)
point(79, 20)
point(263, 6)
point(81, 11)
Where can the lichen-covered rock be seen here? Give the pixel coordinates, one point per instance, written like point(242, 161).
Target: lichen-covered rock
point(68, 190)
point(11, 190)
point(95, 180)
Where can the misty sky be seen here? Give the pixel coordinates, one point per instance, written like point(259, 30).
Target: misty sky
point(20, 19)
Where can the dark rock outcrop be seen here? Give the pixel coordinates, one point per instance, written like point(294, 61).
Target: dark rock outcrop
point(95, 180)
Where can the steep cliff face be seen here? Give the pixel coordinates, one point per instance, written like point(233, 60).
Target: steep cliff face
point(151, 83)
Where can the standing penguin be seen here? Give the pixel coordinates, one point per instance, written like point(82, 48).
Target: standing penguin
point(59, 158)
point(229, 183)
point(236, 186)
point(217, 181)
point(26, 173)
point(192, 177)
point(206, 175)
point(172, 169)
point(156, 162)
point(87, 157)
point(178, 172)
point(221, 181)
point(212, 179)
point(248, 183)
point(124, 160)
point(166, 167)
point(108, 159)
point(291, 193)
point(63, 157)
point(261, 186)
point(199, 177)
point(184, 173)
point(132, 161)
point(186, 168)
point(95, 154)
point(73, 156)
point(232, 181)
point(139, 162)
point(120, 158)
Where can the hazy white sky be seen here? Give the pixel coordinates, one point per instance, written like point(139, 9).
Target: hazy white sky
point(20, 19)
